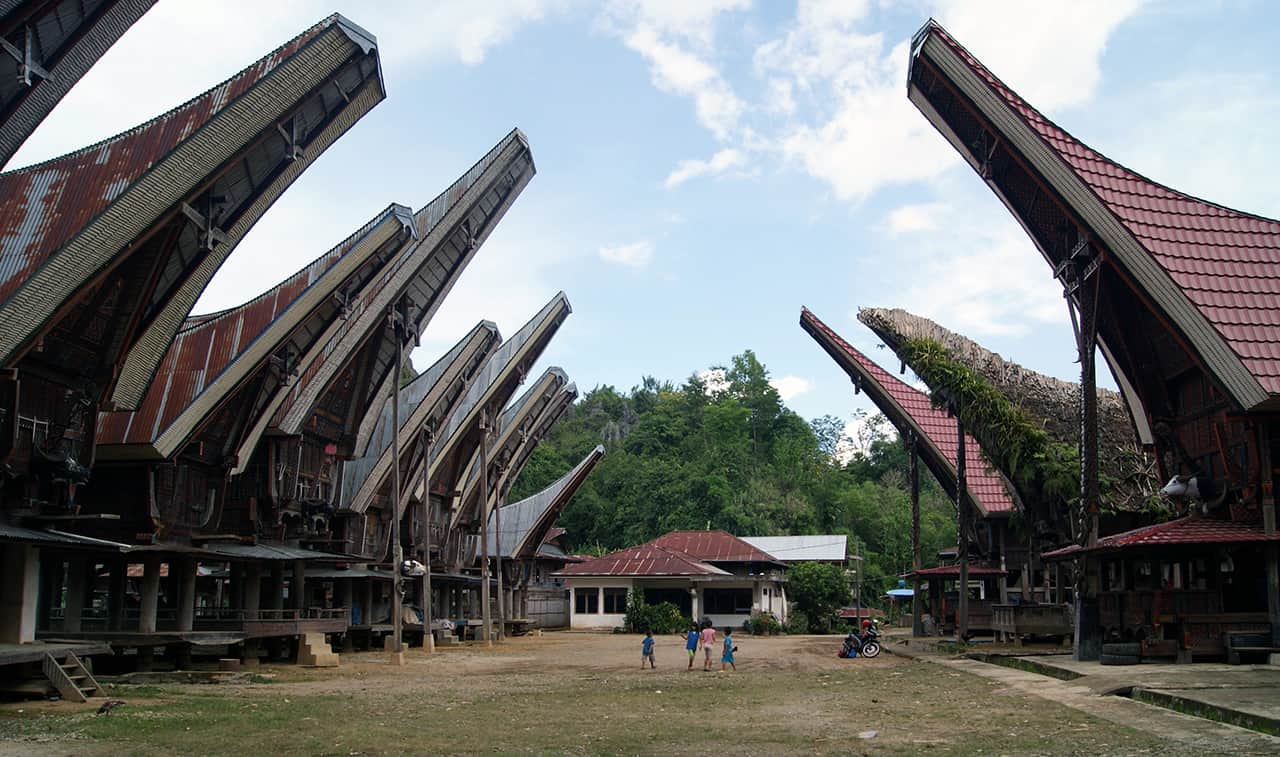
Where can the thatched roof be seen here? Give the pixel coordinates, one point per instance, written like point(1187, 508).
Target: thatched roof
point(1050, 401)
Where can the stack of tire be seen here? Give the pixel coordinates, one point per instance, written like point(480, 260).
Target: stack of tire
point(1121, 653)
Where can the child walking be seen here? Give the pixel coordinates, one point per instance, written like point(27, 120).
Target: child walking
point(646, 650)
point(727, 657)
point(708, 643)
point(691, 642)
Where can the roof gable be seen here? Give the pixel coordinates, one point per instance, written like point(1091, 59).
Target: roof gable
point(713, 546)
point(648, 559)
point(1223, 262)
point(909, 408)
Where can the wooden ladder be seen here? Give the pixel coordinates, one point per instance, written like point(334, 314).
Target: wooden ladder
point(71, 678)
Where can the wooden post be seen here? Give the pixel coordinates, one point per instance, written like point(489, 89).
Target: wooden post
point(252, 594)
point(962, 517)
point(1268, 501)
point(497, 561)
point(185, 568)
point(917, 606)
point(76, 577)
point(150, 595)
point(1088, 644)
point(277, 586)
point(116, 593)
point(484, 528)
point(395, 322)
point(428, 610)
point(298, 587)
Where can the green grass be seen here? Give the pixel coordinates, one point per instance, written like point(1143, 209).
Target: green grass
point(914, 707)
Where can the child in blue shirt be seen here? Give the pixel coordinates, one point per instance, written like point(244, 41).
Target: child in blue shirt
point(727, 657)
point(691, 638)
point(646, 650)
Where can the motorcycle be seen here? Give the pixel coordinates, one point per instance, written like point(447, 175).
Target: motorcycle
point(865, 644)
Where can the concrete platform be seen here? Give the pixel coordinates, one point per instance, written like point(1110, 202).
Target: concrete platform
point(1244, 695)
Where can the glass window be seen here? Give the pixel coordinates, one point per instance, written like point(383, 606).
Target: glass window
point(727, 601)
point(615, 601)
point(586, 601)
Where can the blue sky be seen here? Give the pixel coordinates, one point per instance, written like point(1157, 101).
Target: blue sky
point(704, 169)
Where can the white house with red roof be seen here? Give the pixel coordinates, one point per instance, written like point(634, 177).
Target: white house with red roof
point(710, 575)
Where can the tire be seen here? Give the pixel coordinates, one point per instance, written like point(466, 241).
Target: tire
point(1123, 649)
point(1118, 659)
point(871, 649)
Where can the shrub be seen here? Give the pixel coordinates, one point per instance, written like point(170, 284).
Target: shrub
point(764, 624)
point(660, 618)
point(798, 622)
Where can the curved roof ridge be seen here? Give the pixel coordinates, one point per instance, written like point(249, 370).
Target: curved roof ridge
point(904, 404)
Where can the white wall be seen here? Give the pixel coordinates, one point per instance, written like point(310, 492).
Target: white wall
point(599, 619)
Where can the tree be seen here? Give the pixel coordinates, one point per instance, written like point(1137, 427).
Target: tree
point(818, 590)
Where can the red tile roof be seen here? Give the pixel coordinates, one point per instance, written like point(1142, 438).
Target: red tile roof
point(1192, 529)
point(643, 560)
point(896, 398)
point(714, 546)
point(1225, 261)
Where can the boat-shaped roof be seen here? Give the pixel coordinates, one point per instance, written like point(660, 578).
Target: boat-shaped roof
point(912, 412)
point(526, 524)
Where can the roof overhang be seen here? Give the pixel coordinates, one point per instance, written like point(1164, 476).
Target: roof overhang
point(450, 230)
point(863, 380)
point(60, 42)
point(425, 402)
point(358, 258)
point(538, 431)
point(931, 53)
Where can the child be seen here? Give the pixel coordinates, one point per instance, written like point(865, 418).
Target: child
point(708, 643)
point(727, 657)
point(691, 642)
point(646, 650)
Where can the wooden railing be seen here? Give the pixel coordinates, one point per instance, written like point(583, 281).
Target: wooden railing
point(1047, 620)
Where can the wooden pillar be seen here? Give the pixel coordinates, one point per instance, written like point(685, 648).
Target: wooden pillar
point(150, 595)
point(185, 570)
point(235, 598)
point(275, 601)
point(1088, 642)
point(77, 575)
point(252, 601)
point(298, 587)
point(484, 530)
point(917, 606)
point(428, 597)
point(117, 583)
point(49, 587)
point(1002, 578)
point(20, 566)
point(962, 516)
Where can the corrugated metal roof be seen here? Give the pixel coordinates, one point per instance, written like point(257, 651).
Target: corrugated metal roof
point(51, 538)
point(1190, 530)
point(215, 352)
point(271, 552)
point(643, 560)
point(1226, 262)
point(66, 38)
point(713, 546)
point(118, 206)
point(953, 571)
point(908, 407)
point(526, 523)
point(825, 547)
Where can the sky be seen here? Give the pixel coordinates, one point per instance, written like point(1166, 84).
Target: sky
point(707, 168)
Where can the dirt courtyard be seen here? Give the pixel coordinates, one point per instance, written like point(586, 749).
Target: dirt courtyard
point(581, 694)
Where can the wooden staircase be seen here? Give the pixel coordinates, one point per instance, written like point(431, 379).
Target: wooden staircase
point(71, 678)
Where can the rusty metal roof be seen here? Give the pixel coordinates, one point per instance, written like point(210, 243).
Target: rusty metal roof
point(1214, 271)
point(643, 560)
point(525, 524)
point(58, 42)
point(713, 546)
point(910, 409)
point(450, 230)
point(1187, 531)
point(215, 353)
point(161, 206)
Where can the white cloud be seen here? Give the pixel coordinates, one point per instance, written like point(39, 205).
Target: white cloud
point(714, 379)
point(912, 218)
point(1033, 60)
point(152, 63)
point(723, 161)
point(676, 70)
point(634, 255)
point(693, 20)
point(790, 386)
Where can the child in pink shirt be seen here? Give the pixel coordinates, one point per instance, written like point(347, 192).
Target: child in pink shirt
point(708, 643)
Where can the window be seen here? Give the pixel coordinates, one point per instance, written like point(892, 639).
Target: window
point(615, 601)
point(727, 601)
point(586, 601)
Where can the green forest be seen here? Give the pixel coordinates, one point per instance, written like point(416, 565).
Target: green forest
point(725, 452)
